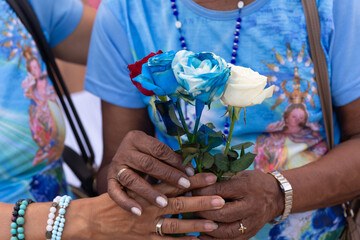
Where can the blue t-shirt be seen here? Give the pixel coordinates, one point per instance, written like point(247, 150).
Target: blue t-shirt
point(32, 129)
point(287, 129)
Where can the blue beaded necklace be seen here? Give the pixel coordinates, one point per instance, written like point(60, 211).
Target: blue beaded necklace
point(235, 48)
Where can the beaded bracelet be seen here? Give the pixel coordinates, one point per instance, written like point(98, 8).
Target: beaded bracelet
point(18, 220)
point(50, 221)
point(60, 219)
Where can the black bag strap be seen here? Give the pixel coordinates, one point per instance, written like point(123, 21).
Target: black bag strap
point(320, 66)
point(25, 12)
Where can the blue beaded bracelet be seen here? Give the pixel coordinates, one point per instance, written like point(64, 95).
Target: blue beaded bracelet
point(18, 220)
point(59, 223)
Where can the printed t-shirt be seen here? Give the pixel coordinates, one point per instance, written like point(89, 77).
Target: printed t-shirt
point(287, 129)
point(32, 129)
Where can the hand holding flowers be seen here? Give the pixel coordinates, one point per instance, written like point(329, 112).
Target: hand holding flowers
point(200, 79)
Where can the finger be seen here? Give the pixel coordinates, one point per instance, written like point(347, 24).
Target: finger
point(117, 194)
point(157, 149)
point(192, 204)
point(157, 237)
point(231, 212)
point(152, 166)
point(137, 184)
point(173, 226)
point(197, 181)
point(227, 189)
point(233, 230)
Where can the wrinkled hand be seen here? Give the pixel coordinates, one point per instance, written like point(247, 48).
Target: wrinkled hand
point(107, 216)
point(253, 199)
point(142, 153)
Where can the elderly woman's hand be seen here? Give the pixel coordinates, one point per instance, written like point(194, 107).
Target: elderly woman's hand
point(141, 154)
point(109, 221)
point(253, 199)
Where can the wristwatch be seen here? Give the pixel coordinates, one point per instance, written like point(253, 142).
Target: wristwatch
point(288, 196)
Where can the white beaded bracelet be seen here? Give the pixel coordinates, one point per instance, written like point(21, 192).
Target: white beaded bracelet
point(60, 219)
point(50, 221)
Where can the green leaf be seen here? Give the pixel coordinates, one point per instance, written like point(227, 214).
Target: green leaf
point(237, 111)
point(242, 151)
point(239, 146)
point(232, 155)
point(243, 163)
point(167, 112)
point(208, 160)
point(222, 162)
point(189, 158)
point(189, 215)
point(210, 125)
point(190, 148)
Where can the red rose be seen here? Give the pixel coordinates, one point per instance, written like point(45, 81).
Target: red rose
point(135, 70)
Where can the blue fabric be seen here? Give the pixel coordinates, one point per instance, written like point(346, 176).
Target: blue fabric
point(344, 52)
point(32, 128)
point(287, 129)
point(58, 18)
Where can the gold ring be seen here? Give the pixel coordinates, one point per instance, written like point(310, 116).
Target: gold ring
point(158, 227)
point(242, 228)
point(120, 172)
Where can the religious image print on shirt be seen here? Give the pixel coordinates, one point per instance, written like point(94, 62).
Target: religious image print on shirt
point(44, 114)
point(294, 140)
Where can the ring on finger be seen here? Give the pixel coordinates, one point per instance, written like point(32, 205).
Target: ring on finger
point(159, 224)
point(119, 173)
point(242, 228)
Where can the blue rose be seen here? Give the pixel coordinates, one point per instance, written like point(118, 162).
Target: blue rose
point(202, 75)
point(157, 75)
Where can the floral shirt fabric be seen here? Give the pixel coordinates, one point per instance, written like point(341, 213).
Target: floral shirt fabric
point(32, 129)
point(287, 129)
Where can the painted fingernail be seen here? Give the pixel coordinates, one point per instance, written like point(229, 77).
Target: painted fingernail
point(218, 202)
point(184, 182)
point(162, 202)
point(136, 211)
point(211, 179)
point(190, 171)
point(210, 226)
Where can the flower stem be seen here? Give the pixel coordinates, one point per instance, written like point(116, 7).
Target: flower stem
point(233, 120)
point(179, 140)
point(182, 119)
point(199, 164)
point(197, 122)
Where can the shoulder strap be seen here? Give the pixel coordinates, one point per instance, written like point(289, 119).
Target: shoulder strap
point(24, 11)
point(320, 66)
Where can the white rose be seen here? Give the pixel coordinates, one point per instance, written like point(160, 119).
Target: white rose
point(245, 87)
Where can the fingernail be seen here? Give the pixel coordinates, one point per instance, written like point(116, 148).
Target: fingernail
point(211, 179)
point(184, 182)
point(190, 171)
point(210, 226)
point(161, 201)
point(218, 202)
point(136, 211)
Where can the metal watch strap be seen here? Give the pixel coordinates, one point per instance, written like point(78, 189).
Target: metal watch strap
point(288, 196)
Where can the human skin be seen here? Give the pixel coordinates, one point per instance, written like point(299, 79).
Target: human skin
point(336, 173)
point(101, 218)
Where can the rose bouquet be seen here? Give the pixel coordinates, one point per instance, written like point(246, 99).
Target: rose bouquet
point(200, 79)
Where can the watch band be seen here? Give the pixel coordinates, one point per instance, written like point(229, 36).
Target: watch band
point(288, 196)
